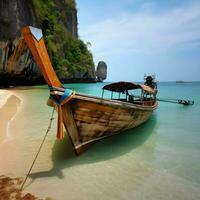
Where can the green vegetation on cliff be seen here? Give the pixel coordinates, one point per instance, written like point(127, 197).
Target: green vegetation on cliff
point(69, 54)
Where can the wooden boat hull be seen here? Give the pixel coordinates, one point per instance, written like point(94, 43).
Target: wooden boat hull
point(88, 119)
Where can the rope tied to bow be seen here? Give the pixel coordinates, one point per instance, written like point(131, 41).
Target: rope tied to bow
point(60, 96)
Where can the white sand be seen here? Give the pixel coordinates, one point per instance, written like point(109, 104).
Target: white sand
point(4, 95)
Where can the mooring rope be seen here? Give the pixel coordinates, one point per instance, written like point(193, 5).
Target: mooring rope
point(47, 131)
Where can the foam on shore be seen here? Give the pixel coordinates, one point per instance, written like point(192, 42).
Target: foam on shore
point(4, 95)
point(10, 104)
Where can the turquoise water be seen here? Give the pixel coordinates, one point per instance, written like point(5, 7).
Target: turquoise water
point(158, 160)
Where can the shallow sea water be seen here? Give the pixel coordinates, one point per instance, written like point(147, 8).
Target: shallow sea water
point(158, 160)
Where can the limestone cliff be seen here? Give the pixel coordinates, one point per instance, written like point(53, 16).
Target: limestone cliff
point(58, 20)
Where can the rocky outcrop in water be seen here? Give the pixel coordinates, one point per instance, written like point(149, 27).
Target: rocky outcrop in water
point(17, 66)
point(101, 72)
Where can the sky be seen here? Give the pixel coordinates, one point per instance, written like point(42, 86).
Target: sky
point(137, 37)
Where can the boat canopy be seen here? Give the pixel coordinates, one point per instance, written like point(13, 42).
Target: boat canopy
point(148, 89)
point(125, 86)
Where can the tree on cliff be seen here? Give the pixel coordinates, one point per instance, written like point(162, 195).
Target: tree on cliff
point(69, 54)
point(58, 21)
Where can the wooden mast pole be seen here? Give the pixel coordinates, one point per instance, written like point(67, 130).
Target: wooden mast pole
point(35, 42)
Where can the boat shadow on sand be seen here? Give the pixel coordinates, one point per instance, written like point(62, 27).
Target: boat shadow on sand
point(63, 155)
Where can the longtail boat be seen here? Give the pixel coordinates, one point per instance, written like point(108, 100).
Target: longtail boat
point(86, 118)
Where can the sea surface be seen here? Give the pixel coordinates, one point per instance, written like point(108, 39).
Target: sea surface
point(158, 160)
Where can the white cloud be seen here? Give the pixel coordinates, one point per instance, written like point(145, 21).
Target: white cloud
point(144, 32)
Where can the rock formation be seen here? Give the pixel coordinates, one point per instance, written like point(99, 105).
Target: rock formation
point(101, 72)
point(17, 66)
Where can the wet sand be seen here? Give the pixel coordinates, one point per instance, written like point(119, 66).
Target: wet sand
point(10, 187)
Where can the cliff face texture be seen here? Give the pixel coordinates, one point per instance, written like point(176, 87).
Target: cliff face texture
point(101, 71)
point(58, 20)
point(13, 15)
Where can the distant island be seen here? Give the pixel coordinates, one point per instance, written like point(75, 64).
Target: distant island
point(179, 81)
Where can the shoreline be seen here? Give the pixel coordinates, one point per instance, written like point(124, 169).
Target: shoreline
point(7, 81)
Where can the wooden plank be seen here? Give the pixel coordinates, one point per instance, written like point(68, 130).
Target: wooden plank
point(40, 54)
point(114, 103)
point(70, 124)
point(93, 112)
point(89, 121)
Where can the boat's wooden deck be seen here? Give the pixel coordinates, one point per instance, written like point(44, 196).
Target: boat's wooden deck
point(142, 105)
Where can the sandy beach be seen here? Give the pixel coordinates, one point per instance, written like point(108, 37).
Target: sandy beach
point(10, 186)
